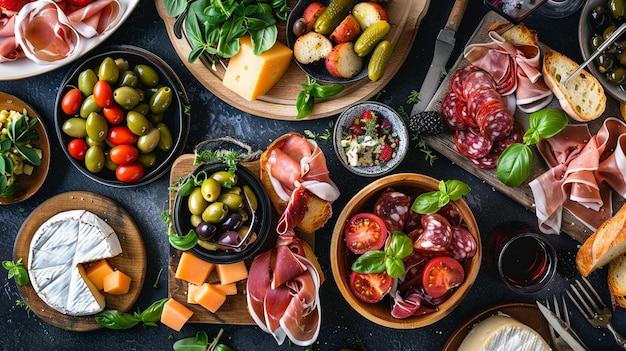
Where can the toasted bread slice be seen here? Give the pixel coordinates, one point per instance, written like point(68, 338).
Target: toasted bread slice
point(617, 276)
point(582, 97)
point(311, 47)
point(516, 35)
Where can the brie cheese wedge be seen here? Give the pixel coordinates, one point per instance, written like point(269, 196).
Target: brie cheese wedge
point(501, 332)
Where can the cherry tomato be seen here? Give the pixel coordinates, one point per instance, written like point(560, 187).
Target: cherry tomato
point(113, 114)
point(123, 154)
point(77, 148)
point(442, 274)
point(103, 94)
point(370, 287)
point(70, 104)
point(121, 135)
point(365, 232)
point(129, 173)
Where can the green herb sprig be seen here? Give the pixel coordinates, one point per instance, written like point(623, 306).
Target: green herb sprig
point(114, 319)
point(17, 271)
point(311, 90)
point(433, 201)
point(200, 342)
point(388, 260)
point(514, 164)
point(15, 149)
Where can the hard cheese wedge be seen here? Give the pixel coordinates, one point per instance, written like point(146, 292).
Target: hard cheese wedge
point(192, 269)
point(250, 75)
point(175, 314)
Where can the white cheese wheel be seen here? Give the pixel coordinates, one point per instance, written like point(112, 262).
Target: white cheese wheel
point(501, 332)
point(57, 251)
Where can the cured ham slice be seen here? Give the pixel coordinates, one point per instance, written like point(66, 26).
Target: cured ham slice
point(95, 18)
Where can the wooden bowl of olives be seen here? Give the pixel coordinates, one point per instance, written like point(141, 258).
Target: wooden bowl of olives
point(122, 116)
point(598, 19)
point(228, 210)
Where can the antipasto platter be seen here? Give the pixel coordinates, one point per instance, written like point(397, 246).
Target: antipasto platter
point(279, 102)
point(522, 194)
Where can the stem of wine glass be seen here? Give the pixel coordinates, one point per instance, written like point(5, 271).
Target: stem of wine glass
point(560, 8)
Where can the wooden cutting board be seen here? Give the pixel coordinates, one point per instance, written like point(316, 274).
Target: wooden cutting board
point(521, 194)
point(235, 310)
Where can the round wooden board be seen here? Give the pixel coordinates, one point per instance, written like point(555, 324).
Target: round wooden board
point(279, 102)
point(132, 260)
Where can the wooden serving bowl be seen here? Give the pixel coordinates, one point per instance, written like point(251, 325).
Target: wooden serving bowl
point(341, 258)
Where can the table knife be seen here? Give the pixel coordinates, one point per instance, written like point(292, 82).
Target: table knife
point(562, 328)
point(443, 48)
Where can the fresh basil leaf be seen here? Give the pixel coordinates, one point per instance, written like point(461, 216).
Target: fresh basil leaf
point(426, 203)
point(114, 319)
point(8, 265)
point(29, 155)
point(404, 245)
point(513, 166)
point(548, 122)
point(304, 104)
point(175, 7)
point(184, 242)
point(370, 262)
point(152, 314)
point(456, 189)
point(394, 267)
point(190, 344)
point(9, 169)
point(5, 145)
point(443, 200)
point(263, 39)
point(222, 347)
point(326, 91)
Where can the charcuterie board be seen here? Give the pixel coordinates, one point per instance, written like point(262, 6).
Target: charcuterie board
point(279, 102)
point(235, 309)
point(522, 194)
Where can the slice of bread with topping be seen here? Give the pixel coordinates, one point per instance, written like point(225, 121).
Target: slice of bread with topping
point(517, 35)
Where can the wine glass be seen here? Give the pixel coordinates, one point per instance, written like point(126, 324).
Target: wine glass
point(517, 10)
point(560, 8)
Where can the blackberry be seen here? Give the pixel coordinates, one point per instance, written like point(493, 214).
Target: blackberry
point(427, 123)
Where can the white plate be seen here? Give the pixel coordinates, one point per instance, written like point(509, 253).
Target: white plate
point(24, 68)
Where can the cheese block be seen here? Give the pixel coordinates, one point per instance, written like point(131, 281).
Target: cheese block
point(57, 251)
point(501, 332)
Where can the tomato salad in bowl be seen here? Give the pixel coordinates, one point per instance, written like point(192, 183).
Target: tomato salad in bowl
point(401, 254)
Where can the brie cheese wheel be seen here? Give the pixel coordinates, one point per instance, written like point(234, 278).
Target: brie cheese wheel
point(501, 332)
point(57, 251)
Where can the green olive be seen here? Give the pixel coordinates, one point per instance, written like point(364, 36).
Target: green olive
point(254, 202)
point(94, 159)
point(128, 79)
point(126, 97)
point(196, 203)
point(108, 71)
point(161, 100)
point(75, 127)
point(166, 142)
point(146, 143)
point(617, 76)
point(88, 106)
point(226, 179)
point(605, 62)
point(596, 41)
point(215, 212)
point(156, 118)
point(122, 64)
point(608, 31)
point(617, 9)
point(207, 245)
point(195, 220)
point(108, 163)
point(147, 75)
point(621, 57)
point(234, 190)
point(92, 142)
point(137, 123)
point(147, 160)
point(244, 215)
point(211, 189)
point(86, 80)
point(142, 94)
point(97, 127)
point(232, 201)
point(142, 108)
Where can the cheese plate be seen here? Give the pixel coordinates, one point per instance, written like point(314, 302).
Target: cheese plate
point(132, 260)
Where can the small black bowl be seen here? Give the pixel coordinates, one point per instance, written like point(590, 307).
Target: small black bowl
point(177, 118)
point(182, 224)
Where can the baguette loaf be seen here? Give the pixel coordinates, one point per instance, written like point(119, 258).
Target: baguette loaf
point(605, 244)
point(582, 97)
point(516, 35)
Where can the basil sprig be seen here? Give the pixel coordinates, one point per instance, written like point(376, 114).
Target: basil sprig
point(433, 201)
point(200, 342)
point(114, 319)
point(389, 259)
point(305, 101)
point(17, 271)
point(514, 164)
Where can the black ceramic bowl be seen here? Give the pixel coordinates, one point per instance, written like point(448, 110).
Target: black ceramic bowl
point(181, 215)
point(176, 117)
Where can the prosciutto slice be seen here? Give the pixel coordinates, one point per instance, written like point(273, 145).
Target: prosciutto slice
point(95, 18)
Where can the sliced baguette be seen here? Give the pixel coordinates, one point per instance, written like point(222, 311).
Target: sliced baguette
point(604, 245)
point(582, 98)
point(516, 35)
point(311, 47)
point(617, 276)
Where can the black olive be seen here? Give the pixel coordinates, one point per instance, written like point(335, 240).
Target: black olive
point(299, 27)
point(596, 41)
point(599, 20)
point(206, 230)
point(617, 75)
point(606, 62)
point(232, 222)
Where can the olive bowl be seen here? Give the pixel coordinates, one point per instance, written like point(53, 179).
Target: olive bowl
point(399, 129)
point(341, 258)
point(176, 116)
point(181, 215)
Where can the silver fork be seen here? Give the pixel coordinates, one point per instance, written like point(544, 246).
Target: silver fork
point(560, 311)
point(592, 308)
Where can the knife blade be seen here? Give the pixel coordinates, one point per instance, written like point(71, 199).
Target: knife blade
point(562, 328)
point(444, 44)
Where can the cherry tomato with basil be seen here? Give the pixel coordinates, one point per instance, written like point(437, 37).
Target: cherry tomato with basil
point(365, 232)
point(370, 287)
point(442, 274)
point(77, 148)
point(103, 93)
point(114, 114)
point(121, 135)
point(129, 173)
point(123, 154)
point(70, 104)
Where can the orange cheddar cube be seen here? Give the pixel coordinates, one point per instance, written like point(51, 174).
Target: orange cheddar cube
point(175, 314)
point(116, 283)
point(192, 269)
point(228, 289)
point(97, 271)
point(210, 297)
point(192, 290)
point(232, 272)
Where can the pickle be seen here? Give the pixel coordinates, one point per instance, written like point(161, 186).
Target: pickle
point(370, 37)
point(334, 13)
point(379, 60)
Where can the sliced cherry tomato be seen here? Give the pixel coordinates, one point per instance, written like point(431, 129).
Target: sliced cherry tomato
point(114, 114)
point(121, 135)
point(442, 274)
point(365, 232)
point(70, 104)
point(77, 148)
point(123, 154)
point(103, 94)
point(129, 173)
point(370, 287)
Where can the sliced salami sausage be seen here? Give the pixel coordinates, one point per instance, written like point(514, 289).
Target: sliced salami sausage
point(495, 122)
point(479, 98)
point(516, 136)
point(471, 144)
point(451, 105)
point(392, 207)
point(477, 80)
point(463, 114)
point(436, 236)
point(412, 221)
point(463, 245)
point(457, 79)
point(451, 213)
point(489, 161)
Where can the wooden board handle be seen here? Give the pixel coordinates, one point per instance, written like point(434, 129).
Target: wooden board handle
point(456, 14)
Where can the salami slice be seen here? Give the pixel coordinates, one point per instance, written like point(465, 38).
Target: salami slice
point(489, 161)
point(436, 237)
point(451, 213)
point(392, 207)
point(412, 221)
point(457, 79)
point(477, 80)
point(494, 120)
point(451, 105)
point(471, 144)
point(463, 245)
point(479, 98)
